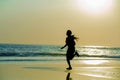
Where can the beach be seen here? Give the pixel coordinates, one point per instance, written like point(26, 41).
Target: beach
point(89, 69)
point(48, 62)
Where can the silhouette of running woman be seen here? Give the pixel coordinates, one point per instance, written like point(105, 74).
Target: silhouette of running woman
point(70, 42)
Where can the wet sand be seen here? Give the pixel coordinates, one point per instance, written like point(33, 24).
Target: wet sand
point(82, 70)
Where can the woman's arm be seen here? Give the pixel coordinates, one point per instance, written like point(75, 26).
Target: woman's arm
point(64, 46)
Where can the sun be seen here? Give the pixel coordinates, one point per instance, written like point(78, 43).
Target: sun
point(95, 7)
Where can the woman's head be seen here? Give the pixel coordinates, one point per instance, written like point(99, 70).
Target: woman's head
point(69, 32)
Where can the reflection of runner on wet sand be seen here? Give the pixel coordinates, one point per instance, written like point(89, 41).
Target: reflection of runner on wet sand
point(70, 43)
point(68, 77)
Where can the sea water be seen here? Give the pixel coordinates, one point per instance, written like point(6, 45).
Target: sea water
point(42, 53)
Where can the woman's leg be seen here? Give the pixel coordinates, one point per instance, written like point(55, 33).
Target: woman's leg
point(69, 56)
point(69, 64)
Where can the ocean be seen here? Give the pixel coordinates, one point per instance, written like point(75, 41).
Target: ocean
point(46, 53)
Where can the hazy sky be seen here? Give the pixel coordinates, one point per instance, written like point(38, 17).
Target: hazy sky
point(95, 22)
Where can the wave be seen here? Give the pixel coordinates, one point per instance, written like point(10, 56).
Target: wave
point(52, 55)
point(12, 50)
point(30, 54)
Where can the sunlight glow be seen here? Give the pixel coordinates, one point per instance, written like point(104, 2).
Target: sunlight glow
point(95, 62)
point(95, 7)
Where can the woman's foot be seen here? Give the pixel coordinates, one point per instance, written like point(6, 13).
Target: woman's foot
point(76, 53)
point(69, 68)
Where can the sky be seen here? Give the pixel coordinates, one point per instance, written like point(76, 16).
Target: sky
point(95, 22)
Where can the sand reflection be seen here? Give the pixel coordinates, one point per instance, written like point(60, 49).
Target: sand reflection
point(95, 62)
